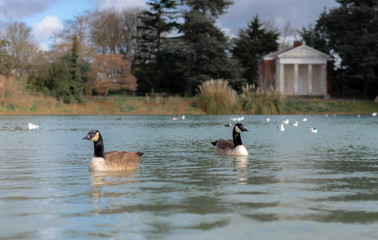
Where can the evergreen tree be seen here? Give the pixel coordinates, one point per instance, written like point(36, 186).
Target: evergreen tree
point(75, 92)
point(251, 45)
point(350, 32)
point(153, 29)
point(206, 45)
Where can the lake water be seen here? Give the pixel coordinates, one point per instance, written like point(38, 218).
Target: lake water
point(293, 185)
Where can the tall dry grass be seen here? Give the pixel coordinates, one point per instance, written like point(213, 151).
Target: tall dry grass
point(217, 97)
point(257, 101)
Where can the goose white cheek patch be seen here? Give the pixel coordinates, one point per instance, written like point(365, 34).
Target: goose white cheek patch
point(95, 138)
point(237, 129)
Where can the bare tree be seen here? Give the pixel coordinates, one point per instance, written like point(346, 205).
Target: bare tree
point(287, 36)
point(17, 50)
point(111, 72)
point(129, 23)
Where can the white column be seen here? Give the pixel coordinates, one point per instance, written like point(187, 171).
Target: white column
point(282, 79)
point(309, 77)
point(295, 79)
point(324, 79)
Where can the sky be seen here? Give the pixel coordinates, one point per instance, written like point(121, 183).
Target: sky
point(47, 16)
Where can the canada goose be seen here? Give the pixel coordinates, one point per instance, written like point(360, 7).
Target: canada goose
point(234, 146)
point(113, 160)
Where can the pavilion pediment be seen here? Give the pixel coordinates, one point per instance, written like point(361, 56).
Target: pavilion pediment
point(304, 52)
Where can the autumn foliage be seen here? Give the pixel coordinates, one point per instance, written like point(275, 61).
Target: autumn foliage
point(110, 72)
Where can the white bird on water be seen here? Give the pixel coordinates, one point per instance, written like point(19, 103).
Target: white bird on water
point(281, 127)
point(286, 121)
point(295, 124)
point(237, 119)
point(304, 119)
point(32, 126)
point(313, 130)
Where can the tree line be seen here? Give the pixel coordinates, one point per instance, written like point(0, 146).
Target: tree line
point(174, 46)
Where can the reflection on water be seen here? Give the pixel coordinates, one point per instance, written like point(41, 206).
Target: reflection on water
point(294, 184)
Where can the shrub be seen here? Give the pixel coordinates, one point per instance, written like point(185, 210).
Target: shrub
point(257, 101)
point(217, 97)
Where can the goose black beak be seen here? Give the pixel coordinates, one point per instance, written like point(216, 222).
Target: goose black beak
point(243, 129)
point(86, 137)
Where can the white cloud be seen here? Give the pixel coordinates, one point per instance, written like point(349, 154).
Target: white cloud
point(44, 30)
point(23, 8)
point(119, 4)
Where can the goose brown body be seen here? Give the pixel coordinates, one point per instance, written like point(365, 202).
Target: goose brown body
point(111, 160)
point(224, 147)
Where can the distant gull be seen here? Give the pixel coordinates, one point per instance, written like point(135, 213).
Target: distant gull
point(268, 119)
point(237, 118)
point(281, 127)
point(313, 130)
point(295, 124)
point(304, 119)
point(32, 126)
point(374, 114)
point(286, 121)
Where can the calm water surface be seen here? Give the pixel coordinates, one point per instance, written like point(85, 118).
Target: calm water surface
point(294, 185)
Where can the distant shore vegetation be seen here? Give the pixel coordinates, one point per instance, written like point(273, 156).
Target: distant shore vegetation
point(215, 97)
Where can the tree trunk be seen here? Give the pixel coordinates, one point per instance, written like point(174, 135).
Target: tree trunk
point(366, 91)
point(105, 94)
point(3, 87)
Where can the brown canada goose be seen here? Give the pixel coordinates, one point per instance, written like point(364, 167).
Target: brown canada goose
point(112, 160)
point(234, 146)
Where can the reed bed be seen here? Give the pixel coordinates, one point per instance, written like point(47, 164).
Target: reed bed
point(217, 97)
point(257, 101)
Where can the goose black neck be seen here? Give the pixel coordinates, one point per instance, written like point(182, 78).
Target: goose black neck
point(236, 137)
point(99, 148)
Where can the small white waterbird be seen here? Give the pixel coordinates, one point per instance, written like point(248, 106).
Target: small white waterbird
point(295, 124)
point(32, 126)
point(287, 121)
point(313, 130)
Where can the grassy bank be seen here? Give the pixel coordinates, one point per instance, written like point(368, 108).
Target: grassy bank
point(118, 105)
point(19, 101)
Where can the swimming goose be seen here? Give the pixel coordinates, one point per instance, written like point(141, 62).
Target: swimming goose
point(113, 160)
point(234, 146)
